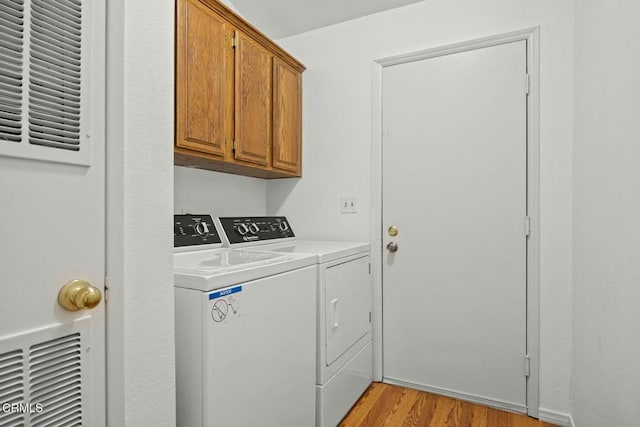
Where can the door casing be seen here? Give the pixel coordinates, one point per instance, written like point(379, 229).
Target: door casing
point(531, 36)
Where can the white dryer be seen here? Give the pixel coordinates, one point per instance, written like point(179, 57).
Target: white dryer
point(245, 332)
point(344, 294)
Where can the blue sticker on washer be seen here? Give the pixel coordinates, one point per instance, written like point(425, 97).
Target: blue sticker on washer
point(225, 292)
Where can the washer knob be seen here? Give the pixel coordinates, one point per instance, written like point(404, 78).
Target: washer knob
point(202, 229)
point(253, 228)
point(284, 226)
point(242, 229)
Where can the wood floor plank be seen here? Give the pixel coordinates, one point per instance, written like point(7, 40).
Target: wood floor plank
point(443, 413)
point(479, 416)
point(496, 417)
point(385, 405)
point(426, 408)
point(386, 402)
point(401, 410)
point(361, 409)
point(461, 415)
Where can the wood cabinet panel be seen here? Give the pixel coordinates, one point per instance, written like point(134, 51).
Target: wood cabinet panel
point(287, 118)
point(252, 101)
point(201, 75)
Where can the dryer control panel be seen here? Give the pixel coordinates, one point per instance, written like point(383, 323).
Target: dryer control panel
point(256, 229)
point(194, 230)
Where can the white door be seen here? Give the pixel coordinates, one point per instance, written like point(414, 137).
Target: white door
point(454, 185)
point(52, 212)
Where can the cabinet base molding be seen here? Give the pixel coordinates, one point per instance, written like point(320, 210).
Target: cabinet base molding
point(192, 159)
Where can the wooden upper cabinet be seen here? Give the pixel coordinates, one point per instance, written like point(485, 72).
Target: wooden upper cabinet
point(201, 78)
point(252, 101)
point(287, 117)
point(238, 95)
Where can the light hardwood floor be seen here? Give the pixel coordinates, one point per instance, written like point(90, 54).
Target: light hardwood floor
point(393, 406)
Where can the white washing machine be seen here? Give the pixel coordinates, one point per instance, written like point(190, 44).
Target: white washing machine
point(245, 332)
point(344, 349)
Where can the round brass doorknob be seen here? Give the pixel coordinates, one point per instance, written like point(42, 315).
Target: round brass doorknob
point(392, 247)
point(79, 295)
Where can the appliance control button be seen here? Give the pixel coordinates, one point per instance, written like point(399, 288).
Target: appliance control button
point(202, 229)
point(284, 226)
point(253, 228)
point(242, 229)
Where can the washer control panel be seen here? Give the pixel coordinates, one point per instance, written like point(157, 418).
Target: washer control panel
point(256, 229)
point(193, 230)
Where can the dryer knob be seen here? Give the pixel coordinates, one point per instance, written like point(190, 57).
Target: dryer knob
point(202, 229)
point(242, 229)
point(284, 226)
point(253, 228)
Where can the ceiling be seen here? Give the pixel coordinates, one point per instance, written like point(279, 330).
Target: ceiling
point(283, 18)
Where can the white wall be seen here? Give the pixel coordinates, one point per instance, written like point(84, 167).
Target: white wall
point(231, 6)
point(337, 115)
point(220, 194)
point(140, 320)
point(606, 312)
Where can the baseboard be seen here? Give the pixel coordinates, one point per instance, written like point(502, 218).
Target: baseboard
point(555, 417)
point(506, 406)
point(546, 415)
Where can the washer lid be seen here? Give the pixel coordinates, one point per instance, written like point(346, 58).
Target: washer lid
point(324, 251)
point(215, 268)
point(210, 261)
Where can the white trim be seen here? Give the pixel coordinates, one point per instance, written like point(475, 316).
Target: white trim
point(531, 36)
point(498, 404)
point(450, 49)
point(115, 218)
point(533, 203)
point(554, 417)
point(376, 220)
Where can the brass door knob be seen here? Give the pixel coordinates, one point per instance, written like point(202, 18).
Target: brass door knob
point(79, 295)
point(392, 247)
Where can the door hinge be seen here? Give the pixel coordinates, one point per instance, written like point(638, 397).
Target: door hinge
point(234, 40)
point(369, 268)
point(527, 226)
point(369, 317)
point(527, 365)
point(233, 145)
point(527, 84)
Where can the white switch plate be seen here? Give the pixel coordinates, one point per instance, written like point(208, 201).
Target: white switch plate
point(349, 204)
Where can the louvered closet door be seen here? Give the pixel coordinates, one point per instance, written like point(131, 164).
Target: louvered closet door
point(52, 204)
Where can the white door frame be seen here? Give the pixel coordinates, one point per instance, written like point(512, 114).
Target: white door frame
point(531, 36)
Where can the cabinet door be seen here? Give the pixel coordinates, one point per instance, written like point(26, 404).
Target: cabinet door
point(287, 117)
point(252, 101)
point(202, 78)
